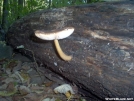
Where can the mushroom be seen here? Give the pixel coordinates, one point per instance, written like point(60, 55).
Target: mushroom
point(55, 35)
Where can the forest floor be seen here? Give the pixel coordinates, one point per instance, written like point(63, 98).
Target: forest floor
point(23, 80)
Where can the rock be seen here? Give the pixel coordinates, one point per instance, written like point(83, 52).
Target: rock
point(5, 51)
point(102, 46)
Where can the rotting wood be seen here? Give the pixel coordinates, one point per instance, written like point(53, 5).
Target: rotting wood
point(102, 46)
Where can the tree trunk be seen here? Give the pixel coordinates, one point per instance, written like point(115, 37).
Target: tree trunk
point(20, 8)
point(50, 4)
point(1, 11)
point(5, 15)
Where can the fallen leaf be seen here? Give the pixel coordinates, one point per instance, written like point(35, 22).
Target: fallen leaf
point(33, 97)
point(48, 84)
point(63, 89)
point(24, 90)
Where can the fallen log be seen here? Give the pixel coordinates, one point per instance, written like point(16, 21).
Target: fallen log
point(102, 46)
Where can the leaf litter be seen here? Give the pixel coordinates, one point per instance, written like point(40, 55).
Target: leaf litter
point(23, 80)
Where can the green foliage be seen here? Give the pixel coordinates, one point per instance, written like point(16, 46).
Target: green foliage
point(17, 11)
point(92, 1)
point(63, 3)
point(28, 7)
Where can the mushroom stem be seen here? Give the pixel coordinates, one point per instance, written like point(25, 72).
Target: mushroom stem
point(60, 52)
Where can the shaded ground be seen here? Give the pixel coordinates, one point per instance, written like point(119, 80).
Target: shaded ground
point(23, 80)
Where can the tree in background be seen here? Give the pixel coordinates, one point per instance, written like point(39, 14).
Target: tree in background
point(4, 22)
point(5, 15)
point(20, 8)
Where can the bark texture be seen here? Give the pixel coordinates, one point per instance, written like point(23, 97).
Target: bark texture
point(102, 46)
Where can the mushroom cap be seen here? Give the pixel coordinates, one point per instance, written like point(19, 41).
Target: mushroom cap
point(52, 35)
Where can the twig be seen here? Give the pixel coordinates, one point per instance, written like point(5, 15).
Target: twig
point(36, 67)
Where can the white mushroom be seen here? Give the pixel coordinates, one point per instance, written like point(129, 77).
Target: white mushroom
point(55, 35)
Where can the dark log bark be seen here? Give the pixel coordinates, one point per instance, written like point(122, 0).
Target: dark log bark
point(102, 45)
